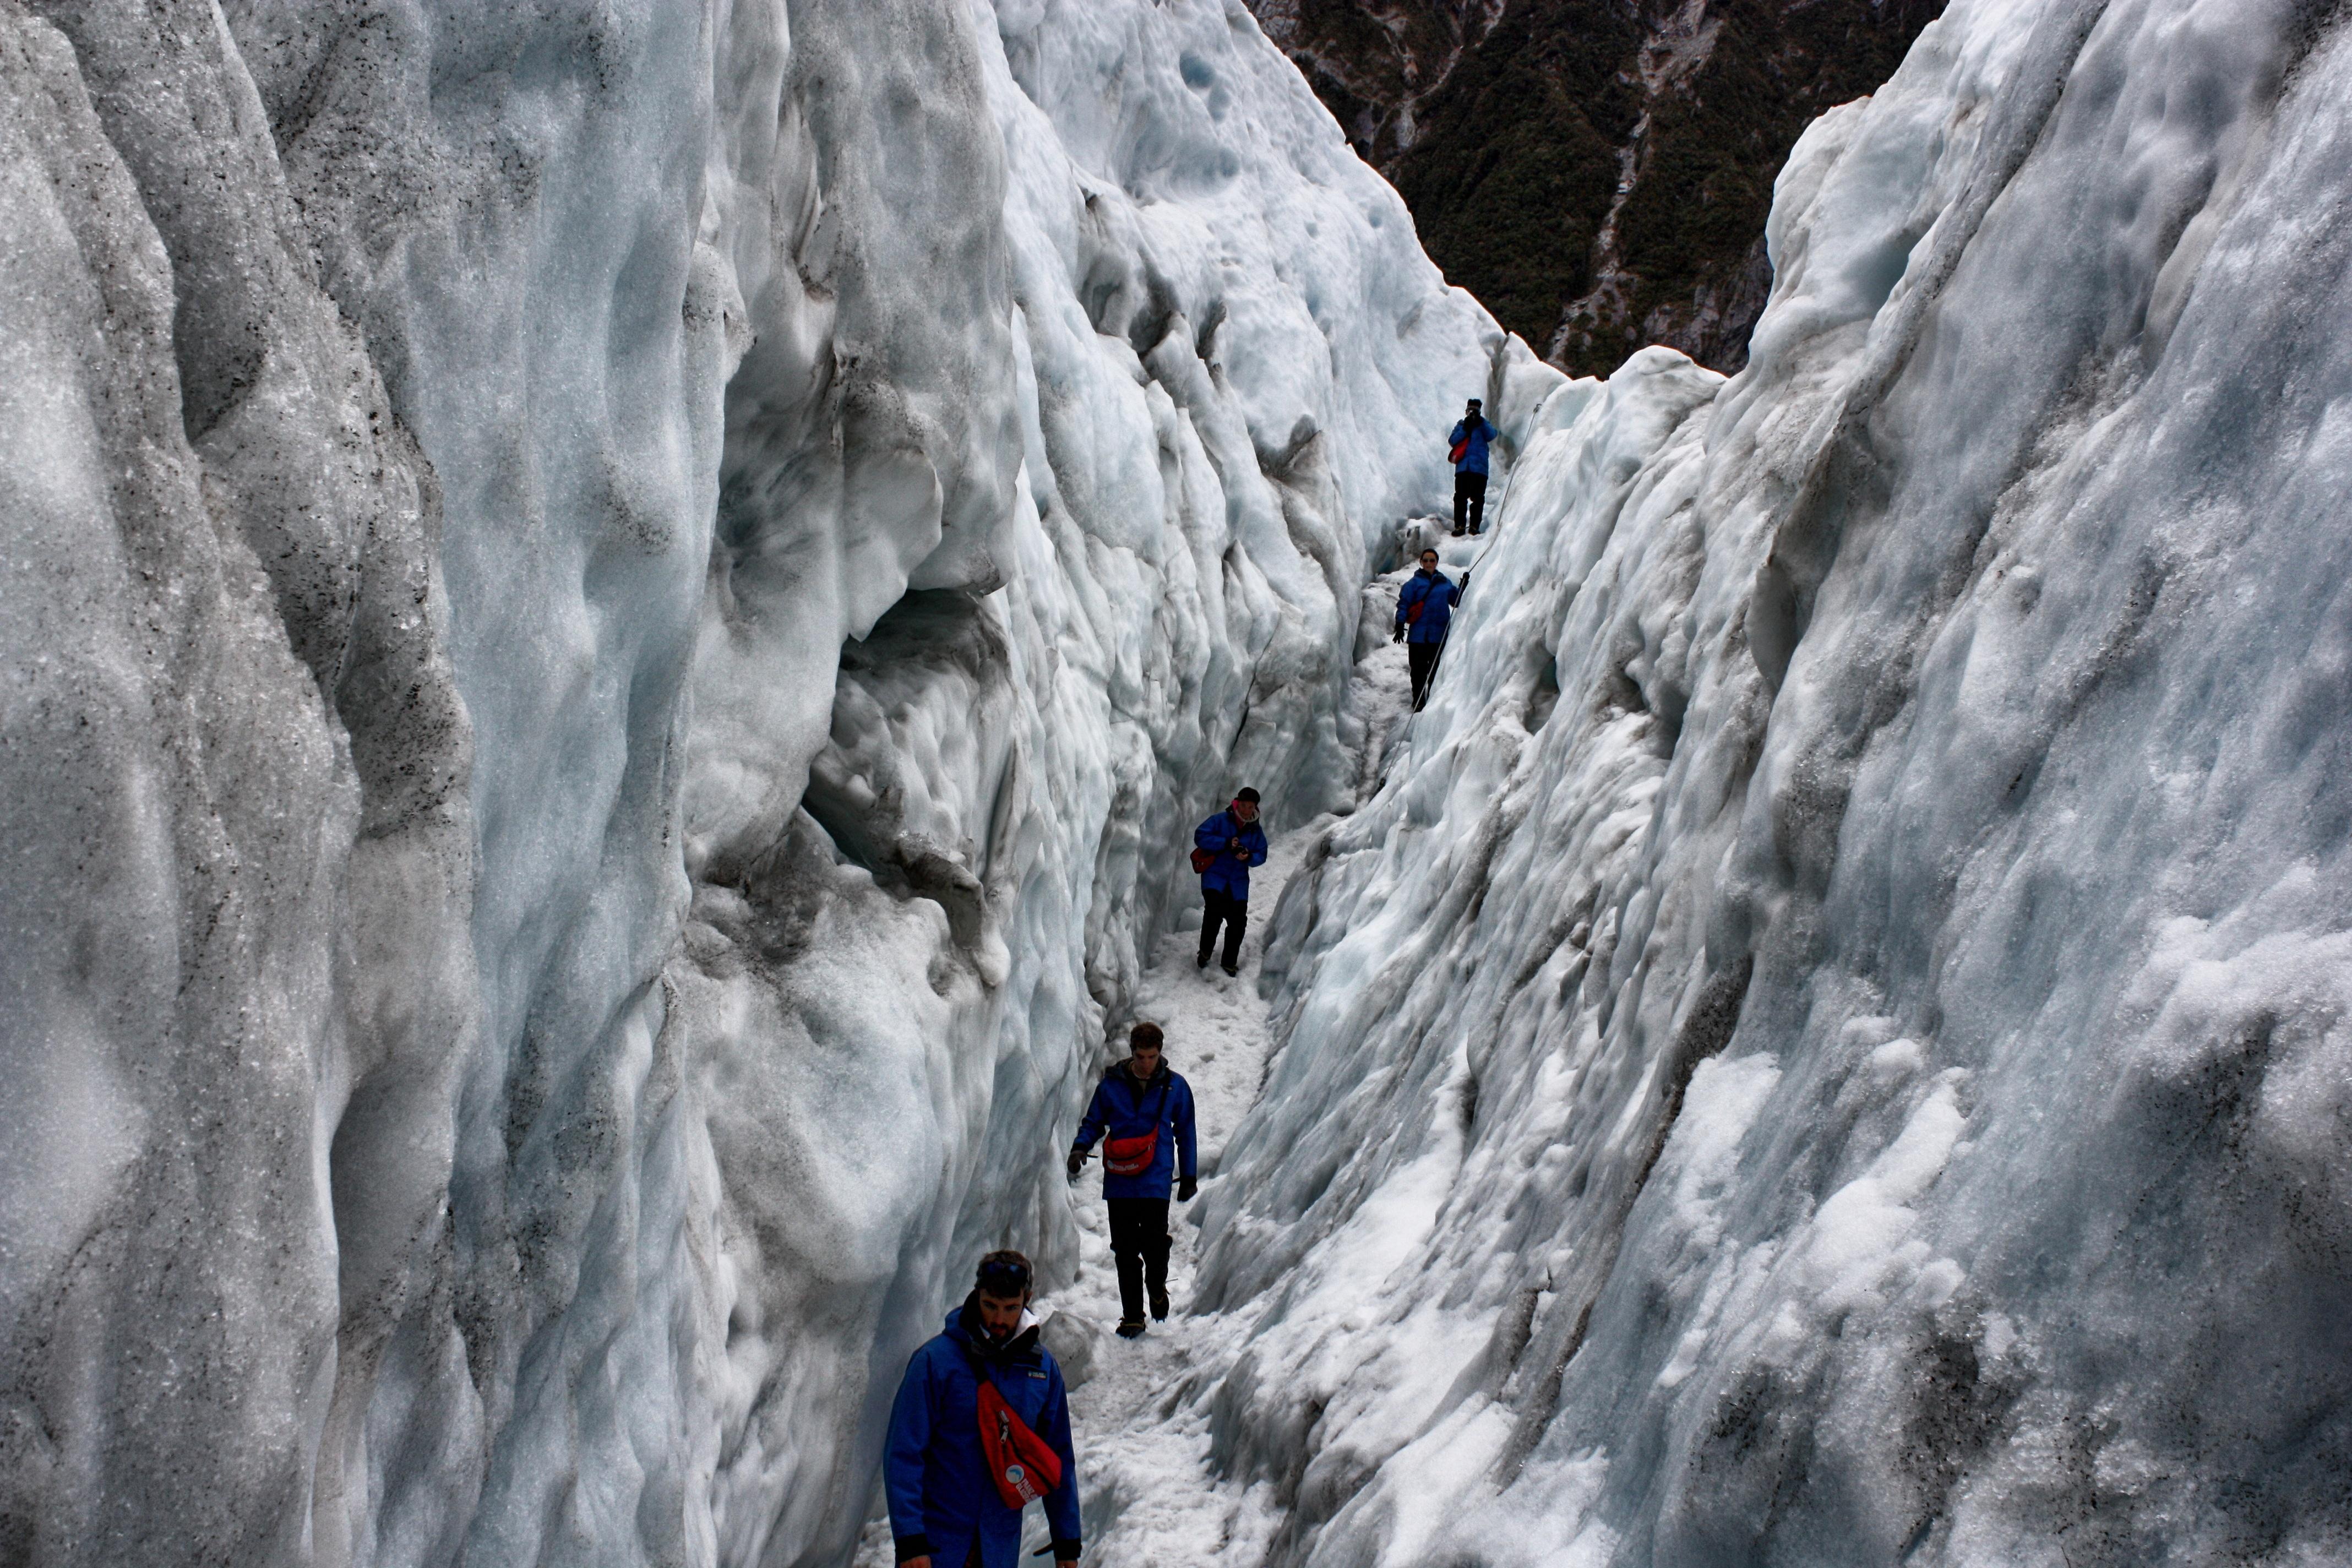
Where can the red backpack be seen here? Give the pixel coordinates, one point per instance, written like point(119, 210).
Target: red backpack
point(1023, 1465)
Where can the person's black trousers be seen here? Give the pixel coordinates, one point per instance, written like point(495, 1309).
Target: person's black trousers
point(1138, 1244)
point(1234, 914)
point(1469, 500)
point(1423, 659)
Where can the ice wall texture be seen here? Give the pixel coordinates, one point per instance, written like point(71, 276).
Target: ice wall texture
point(1828, 1046)
point(512, 1021)
point(238, 851)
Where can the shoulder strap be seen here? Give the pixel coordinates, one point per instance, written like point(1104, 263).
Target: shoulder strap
point(978, 1367)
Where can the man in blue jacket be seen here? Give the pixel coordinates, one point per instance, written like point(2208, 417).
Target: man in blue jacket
point(1234, 842)
point(945, 1505)
point(1467, 446)
point(1424, 611)
point(1146, 1110)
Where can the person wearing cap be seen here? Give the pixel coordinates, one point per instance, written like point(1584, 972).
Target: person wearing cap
point(1229, 843)
point(1467, 446)
point(1146, 1107)
point(947, 1507)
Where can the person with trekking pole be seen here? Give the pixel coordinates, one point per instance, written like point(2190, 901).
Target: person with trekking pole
point(980, 1430)
point(1424, 613)
point(1224, 848)
point(1146, 1107)
point(1467, 448)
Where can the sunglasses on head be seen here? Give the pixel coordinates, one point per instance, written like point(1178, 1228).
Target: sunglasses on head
point(1004, 1279)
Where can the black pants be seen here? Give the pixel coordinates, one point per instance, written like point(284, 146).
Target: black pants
point(1234, 914)
point(1469, 500)
point(1138, 1244)
point(1422, 658)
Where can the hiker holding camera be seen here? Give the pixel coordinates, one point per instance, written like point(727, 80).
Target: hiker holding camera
point(980, 1429)
point(1465, 449)
point(1146, 1110)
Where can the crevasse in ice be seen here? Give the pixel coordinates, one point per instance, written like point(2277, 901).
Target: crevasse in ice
point(1827, 1044)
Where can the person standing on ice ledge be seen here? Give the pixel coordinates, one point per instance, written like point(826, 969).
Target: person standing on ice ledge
point(1467, 446)
point(1424, 612)
point(980, 1430)
point(1147, 1109)
point(1224, 848)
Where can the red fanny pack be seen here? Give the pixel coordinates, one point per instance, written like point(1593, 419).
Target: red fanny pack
point(1023, 1465)
point(1133, 1156)
point(1202, 859)
point(1459, 448)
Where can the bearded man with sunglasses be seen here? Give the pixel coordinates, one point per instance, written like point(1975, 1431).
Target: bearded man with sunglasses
point(980, 1429)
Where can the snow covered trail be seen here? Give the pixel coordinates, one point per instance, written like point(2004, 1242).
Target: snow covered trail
point(1150, 1489)
point(1152, 1494)
point(1143, 1445)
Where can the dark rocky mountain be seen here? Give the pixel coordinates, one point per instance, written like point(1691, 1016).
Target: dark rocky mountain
point(1597, 172)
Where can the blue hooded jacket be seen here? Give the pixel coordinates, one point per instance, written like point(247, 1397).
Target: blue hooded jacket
point(1230, 873)
point(1437, 593)
point(1473, 461)
point(1123, 1108)
point(933, 1468)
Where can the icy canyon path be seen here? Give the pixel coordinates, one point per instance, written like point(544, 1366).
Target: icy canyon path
point(1142, 1409)
point(1152, 1494)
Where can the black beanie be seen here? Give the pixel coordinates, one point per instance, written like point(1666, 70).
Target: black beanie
point(1248, 794)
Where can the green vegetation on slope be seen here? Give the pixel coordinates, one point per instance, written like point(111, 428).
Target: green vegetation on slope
point(1516, 134)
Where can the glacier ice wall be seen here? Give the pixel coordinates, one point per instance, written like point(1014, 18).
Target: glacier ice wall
point(615, 615)
point(1828, 1046)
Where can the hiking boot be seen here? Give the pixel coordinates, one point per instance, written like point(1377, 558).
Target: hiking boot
point(1233, 969)
point(1202, 962)
point(1457, 533)
point(1130, 1327)
point(1160, 1306)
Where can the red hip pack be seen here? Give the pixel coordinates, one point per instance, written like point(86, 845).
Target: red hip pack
point(1202, 859)
point(1022, 1463)
point(1133, 1156)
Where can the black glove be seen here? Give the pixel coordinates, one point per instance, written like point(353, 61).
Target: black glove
point(1077, 1162)
point(1464, 587)
point(1188, 1189)
point(1399, 635)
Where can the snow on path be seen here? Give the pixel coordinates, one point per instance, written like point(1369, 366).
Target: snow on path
point(1150, 1497)
point(1142, 1434)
